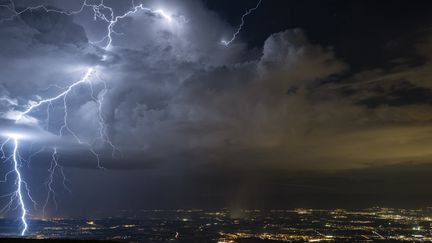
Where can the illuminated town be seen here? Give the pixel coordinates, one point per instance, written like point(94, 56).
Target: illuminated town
point(296, 225)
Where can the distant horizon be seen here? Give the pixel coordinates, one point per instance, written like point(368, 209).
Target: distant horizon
point(236, 211)
point(252, 226)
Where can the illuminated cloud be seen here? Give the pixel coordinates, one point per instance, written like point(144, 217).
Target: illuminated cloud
point(177, 98)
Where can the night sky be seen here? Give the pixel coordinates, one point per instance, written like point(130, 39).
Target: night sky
point(314, 104)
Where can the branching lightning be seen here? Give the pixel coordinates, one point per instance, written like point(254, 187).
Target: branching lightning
point(62, 94)
point(17, 196)
point(22, 192)
point(100, 11)
point(234, 36)
point(112, 20)
point(54, 167)
point(19, 185)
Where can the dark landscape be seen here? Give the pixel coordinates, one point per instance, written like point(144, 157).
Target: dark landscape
point(297, 225)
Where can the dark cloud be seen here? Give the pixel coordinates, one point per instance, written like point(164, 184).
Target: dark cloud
point(54, 28)
point(184, 107)
point(170, 87)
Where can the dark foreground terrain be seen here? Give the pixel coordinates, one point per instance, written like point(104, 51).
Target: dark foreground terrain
point(244, 226)
point(17, 240)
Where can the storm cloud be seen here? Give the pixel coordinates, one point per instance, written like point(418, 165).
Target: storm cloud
point(177, 98)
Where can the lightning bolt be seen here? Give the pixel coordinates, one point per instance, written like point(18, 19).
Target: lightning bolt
point(62, 94)
point(65, 127)
point(234, 36)
point(101, 12)
point(21, 186)
point(103, 135)
point(54, 166)
point(112, 20)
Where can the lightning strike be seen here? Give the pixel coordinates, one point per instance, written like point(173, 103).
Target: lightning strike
point(112, 20)
point(62, 94)
point(101, 12)
point(234, 36)
point(21, 186)
point(103, 135)
point(54, 167)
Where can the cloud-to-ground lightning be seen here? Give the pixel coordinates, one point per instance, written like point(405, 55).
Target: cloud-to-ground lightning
point(54, 167)
point(22, 192)
point(234, 36)
point(21, 186)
